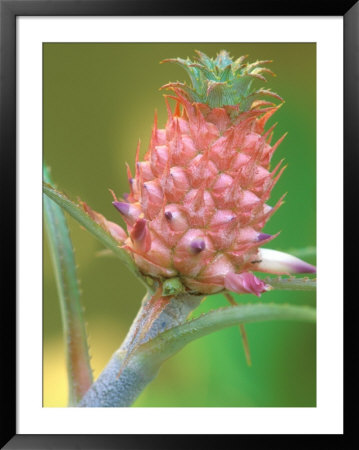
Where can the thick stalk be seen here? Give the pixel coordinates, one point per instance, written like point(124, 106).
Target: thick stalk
point(112, 390)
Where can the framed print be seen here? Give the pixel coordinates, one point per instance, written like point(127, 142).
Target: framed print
point(81, 85)
point(72, 69)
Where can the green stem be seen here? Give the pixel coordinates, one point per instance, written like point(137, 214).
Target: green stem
point(77, 355)
point(110, 389)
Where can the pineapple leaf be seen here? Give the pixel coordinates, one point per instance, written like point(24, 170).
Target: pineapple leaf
point(238, 63)
point(226, 74)
point(236, 76)
point(258, 76)
point(166, 344)
point(292, 283)
point(204, 59)
point(85, 220)
point(77, 353)
point(255, 96)
point(192, 72)
point(144, 361)
point(258, 63)
point(215, 93)
point(264, 69)
point(223, 60)
point(206, 74)
point(242, 85)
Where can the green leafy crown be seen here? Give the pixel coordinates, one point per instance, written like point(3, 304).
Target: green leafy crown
point(222, 81)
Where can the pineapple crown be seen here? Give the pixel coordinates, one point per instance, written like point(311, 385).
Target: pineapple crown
point(222, 81)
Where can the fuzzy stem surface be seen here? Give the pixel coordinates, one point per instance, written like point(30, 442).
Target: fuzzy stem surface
point(168, 335)
point(110, 389)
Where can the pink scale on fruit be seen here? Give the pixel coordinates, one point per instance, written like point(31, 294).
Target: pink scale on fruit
point(140, 236)
point(239, 160)
point(150, 267)
point(201, 169)
point(205, 288)
point(248, 200)
point(116, 231)
point(223, 228)
point(192, 252)
point(176, 218)
point(159, 253)
point(176, 184)
point(129, 211)
point(151, 198)
point(159, 158)
point(255, 144)
point(203, 133)
point(145, 168)
point(176, 144)
point(216, 270)
point(221, 190)
point(220, 118)
point(221, 153)
point(199, 206)
point(183, 125)
point(161, 228)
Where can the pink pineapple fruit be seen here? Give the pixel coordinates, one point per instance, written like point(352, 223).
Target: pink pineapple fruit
point(198, 202)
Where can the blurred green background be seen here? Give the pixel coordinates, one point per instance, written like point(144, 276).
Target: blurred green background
point(99, 99)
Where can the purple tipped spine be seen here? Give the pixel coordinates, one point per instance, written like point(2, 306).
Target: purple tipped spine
point(198, 245)
point(122, 207)
point(303, 267)
point(263, 236)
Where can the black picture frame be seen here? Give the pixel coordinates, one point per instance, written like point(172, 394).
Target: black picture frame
point(9, 10)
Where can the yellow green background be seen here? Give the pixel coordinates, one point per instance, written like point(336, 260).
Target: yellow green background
point(99, 99)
